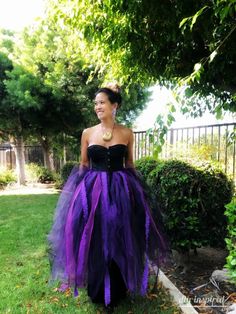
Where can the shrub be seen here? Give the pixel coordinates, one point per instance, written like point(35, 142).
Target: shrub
point(145, 165)
point(66, 170)
point(215, 191)
point(37, 173)
point(58, 183)
point(7, 176)
point(193, 203)
point(231, 239)
point(33, 172)
point(46, 175)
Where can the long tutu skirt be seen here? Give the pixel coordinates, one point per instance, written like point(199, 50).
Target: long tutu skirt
point(103, 232)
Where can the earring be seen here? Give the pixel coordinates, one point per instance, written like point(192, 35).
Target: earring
point(114, 113)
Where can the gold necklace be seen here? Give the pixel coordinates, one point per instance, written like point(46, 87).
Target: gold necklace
point(107, 135)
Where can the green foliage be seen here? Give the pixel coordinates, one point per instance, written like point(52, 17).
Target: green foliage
point(7, 176)
point(175, 185)
point(216, 184)
point(158, 133)
point(190, 42)
point(33, 172)
point(5, 65)
point(193, 202)
point(37, 173)
point(145, 165)
point(46, 176)
point(49, 88)
point(231, 238)
point(135, 98)
point(66, 170)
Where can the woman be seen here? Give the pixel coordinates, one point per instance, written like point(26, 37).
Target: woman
point(104, 236)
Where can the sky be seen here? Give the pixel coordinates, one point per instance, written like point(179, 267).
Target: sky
point(157, 105)
point(16, 14)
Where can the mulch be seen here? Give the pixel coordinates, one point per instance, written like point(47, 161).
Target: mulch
point(205, 294)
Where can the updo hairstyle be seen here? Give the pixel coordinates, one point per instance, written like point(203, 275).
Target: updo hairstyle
point(112, 90)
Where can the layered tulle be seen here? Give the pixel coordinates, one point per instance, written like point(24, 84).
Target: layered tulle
point(103, 216)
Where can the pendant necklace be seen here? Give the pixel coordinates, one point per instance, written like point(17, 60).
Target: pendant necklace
point(107, 135)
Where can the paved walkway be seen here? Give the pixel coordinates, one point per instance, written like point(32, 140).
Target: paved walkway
point(30, 188)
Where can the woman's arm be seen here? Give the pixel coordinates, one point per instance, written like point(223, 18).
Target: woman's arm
point(84, 161)
point(129, 157)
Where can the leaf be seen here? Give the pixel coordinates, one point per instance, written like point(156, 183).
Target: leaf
point(196, 15)
point(224, 12)
point(54, 299)
point(212, 55)
point(184, 21)
point(197, 67)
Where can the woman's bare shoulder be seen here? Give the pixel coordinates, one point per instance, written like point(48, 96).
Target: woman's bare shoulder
point(124, 128)
point(90, 129)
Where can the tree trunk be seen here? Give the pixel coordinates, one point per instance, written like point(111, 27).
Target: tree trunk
point(47, 153)
point(64, 149)
point(18, 147)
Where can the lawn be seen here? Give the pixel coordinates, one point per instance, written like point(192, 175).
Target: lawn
point(25, 221)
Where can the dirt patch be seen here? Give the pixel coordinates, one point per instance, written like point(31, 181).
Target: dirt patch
point(194, 281)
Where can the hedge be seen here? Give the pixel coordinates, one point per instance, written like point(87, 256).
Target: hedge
point(192, 200)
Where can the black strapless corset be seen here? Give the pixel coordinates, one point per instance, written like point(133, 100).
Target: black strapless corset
point(107, 159)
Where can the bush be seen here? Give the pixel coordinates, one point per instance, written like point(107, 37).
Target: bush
point(231, 239)
point(215, 191)
point(58, 183)
point(193, 203)
point(46, 176)
point(145, 165)
point(37, 173)
point(66, 170)
point(33, 172)
point(7, 176)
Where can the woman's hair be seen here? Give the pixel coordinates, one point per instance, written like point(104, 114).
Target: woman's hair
point(113, 92)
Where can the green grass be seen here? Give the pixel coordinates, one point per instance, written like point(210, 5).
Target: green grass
point(25, 221)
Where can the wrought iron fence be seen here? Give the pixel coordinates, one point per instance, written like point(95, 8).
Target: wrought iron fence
point(204, 142)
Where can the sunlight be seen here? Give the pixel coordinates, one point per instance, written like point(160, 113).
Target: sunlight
point(160, 97)
point(15, 14)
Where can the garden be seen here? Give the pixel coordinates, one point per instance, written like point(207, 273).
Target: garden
point(49, 73)
point(201, 230)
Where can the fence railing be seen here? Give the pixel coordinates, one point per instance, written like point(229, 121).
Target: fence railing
point(33, 153)
point(204, 142)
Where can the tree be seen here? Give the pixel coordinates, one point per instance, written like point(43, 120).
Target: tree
point(48, 93)
point(161, 41)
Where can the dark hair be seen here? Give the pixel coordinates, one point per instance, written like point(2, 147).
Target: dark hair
point(113, 96)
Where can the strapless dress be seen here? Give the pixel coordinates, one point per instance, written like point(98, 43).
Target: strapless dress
point(103, 235)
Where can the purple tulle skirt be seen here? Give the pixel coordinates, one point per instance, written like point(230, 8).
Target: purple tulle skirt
point(102, 218)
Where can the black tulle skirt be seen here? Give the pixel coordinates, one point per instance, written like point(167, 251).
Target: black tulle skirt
point(104, 236)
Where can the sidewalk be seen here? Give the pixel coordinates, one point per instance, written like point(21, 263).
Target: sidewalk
point(30, 188)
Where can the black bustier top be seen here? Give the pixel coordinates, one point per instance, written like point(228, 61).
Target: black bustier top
point(107, 159)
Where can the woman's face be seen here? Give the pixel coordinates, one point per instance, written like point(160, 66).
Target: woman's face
point(103, 107)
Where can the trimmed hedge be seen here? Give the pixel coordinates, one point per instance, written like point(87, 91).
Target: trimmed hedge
point(145, 165)
point(192, 200)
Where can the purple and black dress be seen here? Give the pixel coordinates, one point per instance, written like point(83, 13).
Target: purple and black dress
point(104, 236)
